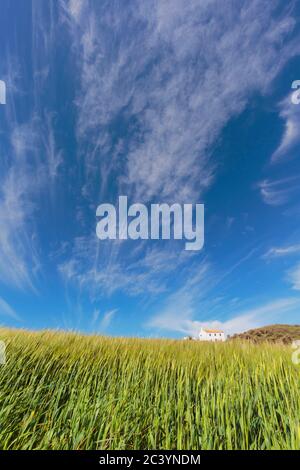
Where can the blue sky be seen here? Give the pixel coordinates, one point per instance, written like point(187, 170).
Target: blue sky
point(162, 101)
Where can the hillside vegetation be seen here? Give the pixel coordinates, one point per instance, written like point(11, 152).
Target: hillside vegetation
point(272, 333)
point(68, 391)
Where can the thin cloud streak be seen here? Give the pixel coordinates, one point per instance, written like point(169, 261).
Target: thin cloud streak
point(7, 310)
point(107, 319)
point(279, 192)
point(278, 252)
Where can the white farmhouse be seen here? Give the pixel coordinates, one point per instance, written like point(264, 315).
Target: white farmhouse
point(211, 335)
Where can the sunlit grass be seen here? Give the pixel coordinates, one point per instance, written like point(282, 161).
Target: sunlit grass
point(66, 391)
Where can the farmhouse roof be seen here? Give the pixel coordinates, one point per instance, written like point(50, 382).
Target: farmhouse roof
point(213, 331)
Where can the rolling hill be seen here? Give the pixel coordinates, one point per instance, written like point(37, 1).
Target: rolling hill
point(271, 333)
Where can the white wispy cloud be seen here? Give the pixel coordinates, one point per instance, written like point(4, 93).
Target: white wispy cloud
point(75, 8)
point(101, 270)
point(6, 309)
point(102, 321)
point(23, 139)
point(95, 316)
point(107, 318)
point(279, 192)
point(276, 252)
point(290, 113)
point(293, 276)
point(18, 256)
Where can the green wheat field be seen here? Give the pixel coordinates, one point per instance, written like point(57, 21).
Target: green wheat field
point(69, 391)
